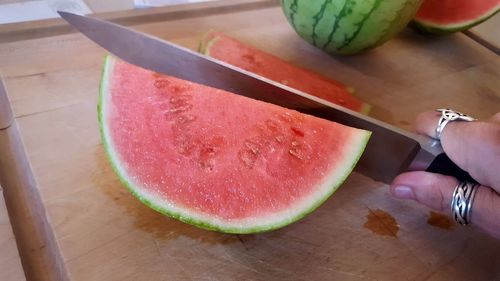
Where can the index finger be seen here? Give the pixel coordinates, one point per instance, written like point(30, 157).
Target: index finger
point(473, 146)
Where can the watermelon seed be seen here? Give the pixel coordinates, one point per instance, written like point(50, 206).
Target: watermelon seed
point(298, 153)
point(207, 165)
point(280, 138)
point(290, 117)
point(253, 147)
point(272, 125)
point(157, 75)
point(183, 145)
point(183, 119)
point(297, 131)
point(178, 89)
point(249, 58)
point(298, 150)
point(180, 100)
point(183, 149)
point(161, 83)
point(181, 108)
point(207, 152)
point(286, 117)
point(247, 158)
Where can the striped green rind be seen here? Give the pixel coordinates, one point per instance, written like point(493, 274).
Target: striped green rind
point(207, 45)
point(358, 146)
point(205, 40)
point(349, 26)
point(444, 29)
point(366, 109)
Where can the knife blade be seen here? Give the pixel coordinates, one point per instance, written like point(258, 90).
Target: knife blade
point(389, 152)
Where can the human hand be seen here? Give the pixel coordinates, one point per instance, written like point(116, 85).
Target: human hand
point(475, 148)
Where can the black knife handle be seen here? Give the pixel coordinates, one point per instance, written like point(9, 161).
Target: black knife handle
point(443, 165)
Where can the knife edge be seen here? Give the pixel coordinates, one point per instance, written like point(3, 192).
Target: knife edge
point(390, 150)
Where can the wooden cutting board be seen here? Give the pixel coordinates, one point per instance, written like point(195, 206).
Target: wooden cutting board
point(487, 33)
point(98, 231)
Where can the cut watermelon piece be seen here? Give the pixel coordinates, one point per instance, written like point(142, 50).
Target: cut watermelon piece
point(447, 16)
point(218, 160)
point(229, 50)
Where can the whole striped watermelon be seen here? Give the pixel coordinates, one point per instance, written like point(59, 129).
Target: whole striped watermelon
point(349, 26)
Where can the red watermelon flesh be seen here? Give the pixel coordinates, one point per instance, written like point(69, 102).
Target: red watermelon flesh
point(218, 160)
point(232, 51)
point(455, 15)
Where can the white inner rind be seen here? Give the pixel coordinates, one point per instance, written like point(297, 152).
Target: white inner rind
point(353, 150)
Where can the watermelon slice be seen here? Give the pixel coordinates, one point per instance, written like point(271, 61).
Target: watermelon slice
point(229, 50)
point(447, 16)
point(218, 160)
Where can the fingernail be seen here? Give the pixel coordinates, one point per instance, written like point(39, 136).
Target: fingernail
point(403, 192)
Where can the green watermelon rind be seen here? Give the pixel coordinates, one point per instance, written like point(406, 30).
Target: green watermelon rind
point(353, 156)
point(356, 39)
point(208, 45)
point(433, 28)
point(366, 108)
point(205, 40)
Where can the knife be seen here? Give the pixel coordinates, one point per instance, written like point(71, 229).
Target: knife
point(389, 152)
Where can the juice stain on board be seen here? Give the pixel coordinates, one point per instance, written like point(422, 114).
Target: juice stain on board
point(382, 223)
point(440, 221)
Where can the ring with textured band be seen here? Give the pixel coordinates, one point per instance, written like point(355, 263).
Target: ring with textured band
point(447, 116)
point(462, 200)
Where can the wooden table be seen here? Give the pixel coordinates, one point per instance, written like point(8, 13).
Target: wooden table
point(10, 264)
point(95, 5)
point(93, 229)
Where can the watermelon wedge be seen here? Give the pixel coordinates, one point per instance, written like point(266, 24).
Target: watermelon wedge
point(218, 160)
point(224, 48)
point(447, 16)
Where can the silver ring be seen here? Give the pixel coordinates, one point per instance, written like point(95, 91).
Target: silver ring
point(461, 202)
point(447, 116)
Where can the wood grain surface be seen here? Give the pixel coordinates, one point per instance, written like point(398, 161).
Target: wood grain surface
point(6, 117)
point(10, 264)
point(37, 246)
point(487, 33)
point(104, 233)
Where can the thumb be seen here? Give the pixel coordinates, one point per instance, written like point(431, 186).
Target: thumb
point(435, 191)
point(432, 190)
